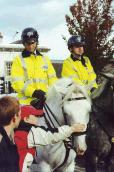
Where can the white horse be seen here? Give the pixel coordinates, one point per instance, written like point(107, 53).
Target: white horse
point(67, 97)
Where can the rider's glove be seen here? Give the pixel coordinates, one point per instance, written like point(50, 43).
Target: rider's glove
point(39, 102)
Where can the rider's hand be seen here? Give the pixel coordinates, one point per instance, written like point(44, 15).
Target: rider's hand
point(37, 103)
point(78, 127)
point(39, 94)
point(40, 101)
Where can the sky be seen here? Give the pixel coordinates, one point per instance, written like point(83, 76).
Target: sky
point(47, 16)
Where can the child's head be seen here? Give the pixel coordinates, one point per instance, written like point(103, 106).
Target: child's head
point(9, 111)
point(30, 115)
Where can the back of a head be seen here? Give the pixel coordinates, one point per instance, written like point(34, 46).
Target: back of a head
point(9, 106)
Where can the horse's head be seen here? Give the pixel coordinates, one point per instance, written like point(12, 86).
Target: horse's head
point(77, 106)
point(75, 103)
point(55, 95)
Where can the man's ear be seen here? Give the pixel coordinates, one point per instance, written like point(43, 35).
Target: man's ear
point(13, 119)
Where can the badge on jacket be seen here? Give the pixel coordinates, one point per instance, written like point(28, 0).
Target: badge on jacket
point(45, 67)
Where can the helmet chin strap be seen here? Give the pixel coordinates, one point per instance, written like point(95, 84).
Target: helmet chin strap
point(36, 47)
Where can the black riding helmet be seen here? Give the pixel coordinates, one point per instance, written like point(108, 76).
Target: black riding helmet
point(75, 41)
point(29, 34)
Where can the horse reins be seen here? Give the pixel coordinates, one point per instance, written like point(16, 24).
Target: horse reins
point(46, 107)
point(48, 120)
point(66, 143)
point(49, 112)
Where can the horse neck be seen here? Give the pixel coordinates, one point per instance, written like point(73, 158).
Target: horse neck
point(42, 122)
point(54, 103)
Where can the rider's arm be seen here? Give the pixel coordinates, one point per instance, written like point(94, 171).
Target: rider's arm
point(39, 136)
point(92, 75)
point(68, 71)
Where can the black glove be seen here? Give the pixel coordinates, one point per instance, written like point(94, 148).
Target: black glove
point(39, 102)
point(39, 94)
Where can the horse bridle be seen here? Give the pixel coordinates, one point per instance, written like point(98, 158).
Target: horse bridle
point(68, 144)
point(49, 112)
point(76, 98)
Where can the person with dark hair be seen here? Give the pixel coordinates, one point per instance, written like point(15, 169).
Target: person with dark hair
point(78, 66)
point(31, 72)
point(9, 120)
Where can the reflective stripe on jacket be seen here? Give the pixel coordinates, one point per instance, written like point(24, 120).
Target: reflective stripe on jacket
point(78, 72)
point(31, 73)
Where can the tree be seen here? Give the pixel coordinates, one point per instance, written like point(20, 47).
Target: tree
point(94, 19)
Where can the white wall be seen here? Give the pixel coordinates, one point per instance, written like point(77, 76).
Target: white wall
point(6, 56)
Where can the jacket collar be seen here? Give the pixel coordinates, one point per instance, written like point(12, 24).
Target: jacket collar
point(79, 59)
point(74, 58)
point(26, 53)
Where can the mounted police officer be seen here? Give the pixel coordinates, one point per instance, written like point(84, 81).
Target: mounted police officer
point(78, 66)
point(31, 72)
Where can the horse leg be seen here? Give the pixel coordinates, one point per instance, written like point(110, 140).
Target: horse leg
point(70, 168)
point(44, 167)
point(69, 165)
point(91, 161)
point(107, 159)
point(110, 163)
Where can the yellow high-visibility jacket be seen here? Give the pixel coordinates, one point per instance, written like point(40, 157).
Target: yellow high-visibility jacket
point(31, 73)
point(78, 72)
